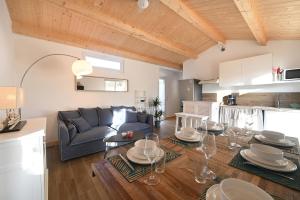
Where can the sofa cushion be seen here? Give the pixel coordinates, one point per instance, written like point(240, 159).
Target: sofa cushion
point(131, 116)
point(142, 117)
point(90, 115)
point(97, 133)
point(106, 116)
point(137, 126)
point(67, 115)
point(81, 124)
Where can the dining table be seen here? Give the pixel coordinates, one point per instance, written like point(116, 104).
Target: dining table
point(177, 182)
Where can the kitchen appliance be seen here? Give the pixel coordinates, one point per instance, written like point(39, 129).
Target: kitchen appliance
point(291, 74)
point(231, 100)
point(189, 90)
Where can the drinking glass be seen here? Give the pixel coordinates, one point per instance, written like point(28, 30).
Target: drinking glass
point(231, 136)
point(151, 151)
point(209, 147)
point(160, 165)
point(249, 121)
point(200, 167)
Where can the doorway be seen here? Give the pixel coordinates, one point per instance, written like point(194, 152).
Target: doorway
point(162, 96)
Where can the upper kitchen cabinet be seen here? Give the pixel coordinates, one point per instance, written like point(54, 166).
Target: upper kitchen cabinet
point(255, 70)
point(230, 73)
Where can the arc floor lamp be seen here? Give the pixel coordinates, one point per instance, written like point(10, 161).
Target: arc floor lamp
point(12, 97)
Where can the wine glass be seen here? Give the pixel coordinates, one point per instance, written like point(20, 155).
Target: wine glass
point(151, 151)
point(209, 147)
point(249, 121)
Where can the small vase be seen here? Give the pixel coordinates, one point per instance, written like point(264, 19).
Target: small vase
point(157, 124)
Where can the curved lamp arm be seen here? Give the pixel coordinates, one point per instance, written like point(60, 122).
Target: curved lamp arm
point(41, 58)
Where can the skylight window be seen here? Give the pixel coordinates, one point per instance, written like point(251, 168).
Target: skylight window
point(110, 63)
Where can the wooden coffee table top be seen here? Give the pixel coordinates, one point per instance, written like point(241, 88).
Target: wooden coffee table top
point(177, 182)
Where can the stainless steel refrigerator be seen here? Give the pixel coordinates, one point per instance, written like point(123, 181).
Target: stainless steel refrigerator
point(189, 90)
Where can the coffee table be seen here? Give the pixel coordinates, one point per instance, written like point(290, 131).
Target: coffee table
point(178, 182)
point(118, 140)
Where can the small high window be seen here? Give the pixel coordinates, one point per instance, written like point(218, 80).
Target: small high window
point(105, 62)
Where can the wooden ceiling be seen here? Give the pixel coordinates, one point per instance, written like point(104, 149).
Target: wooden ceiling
point(167, 33)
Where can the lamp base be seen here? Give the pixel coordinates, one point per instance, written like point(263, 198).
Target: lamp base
point(14, 128)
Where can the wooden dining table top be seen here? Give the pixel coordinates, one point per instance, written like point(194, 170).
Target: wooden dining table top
point(177, 182)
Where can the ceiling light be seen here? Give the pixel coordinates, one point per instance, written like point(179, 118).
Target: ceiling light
point(143, 4)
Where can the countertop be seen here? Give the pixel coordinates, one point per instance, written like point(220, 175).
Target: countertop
point(264, 108)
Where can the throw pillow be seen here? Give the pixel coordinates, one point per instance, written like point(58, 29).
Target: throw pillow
point(131, 116)
point(72, 130)
point(142, 117)
point(81, 124)
point(90, 115)
point(105, 116)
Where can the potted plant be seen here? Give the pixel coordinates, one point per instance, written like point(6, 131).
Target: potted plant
point(157, 112)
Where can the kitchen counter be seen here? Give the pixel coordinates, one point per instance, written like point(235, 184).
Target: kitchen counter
point(265, 108)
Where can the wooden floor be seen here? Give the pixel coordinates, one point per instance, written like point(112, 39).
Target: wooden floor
point(72, 180)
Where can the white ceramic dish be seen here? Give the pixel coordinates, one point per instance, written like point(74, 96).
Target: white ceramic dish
point(213, 193)
point(273, 136)
point(282, 143)
point(188, 132)
point(236, 189)
point(131, 155)
point(140, 146)
point(194, 138)
point(249, 156)
point(266, 152)
point(140, 156)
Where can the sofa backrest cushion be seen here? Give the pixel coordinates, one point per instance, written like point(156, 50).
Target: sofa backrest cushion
point(90, 115)
point(81, 124)
point(72, 130)
point(142, 117)
point(67, 115)
point(106, 116)
point(131, 116)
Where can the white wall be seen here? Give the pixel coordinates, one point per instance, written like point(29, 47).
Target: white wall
point(6, 50)
point(171, 78)
point(50, 86)
point(206, 66)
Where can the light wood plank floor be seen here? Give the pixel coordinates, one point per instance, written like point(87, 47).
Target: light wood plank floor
point(72, 180)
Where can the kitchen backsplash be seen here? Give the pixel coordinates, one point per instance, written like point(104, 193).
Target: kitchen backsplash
point(261, 99)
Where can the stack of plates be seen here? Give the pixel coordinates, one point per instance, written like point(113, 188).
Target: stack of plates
point(188, 135)
point(236, 189)
point(274, 138)
point(138, 158)
point(268, 157)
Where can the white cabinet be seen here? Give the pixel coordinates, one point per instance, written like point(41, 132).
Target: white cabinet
point(22, 163)
point(255, 70)
point(230, 73)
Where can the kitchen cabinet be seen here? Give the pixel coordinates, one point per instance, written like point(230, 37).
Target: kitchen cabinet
point(23, 173)
point(230, 73)
point(255, 70)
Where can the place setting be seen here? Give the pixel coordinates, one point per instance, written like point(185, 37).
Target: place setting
point(277, 139)
point(147, 155)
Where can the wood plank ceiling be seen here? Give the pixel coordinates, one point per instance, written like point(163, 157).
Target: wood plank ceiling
point(167, 33)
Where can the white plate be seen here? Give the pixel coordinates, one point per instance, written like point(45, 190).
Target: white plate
point(131, 156)
point(213, 193)
point(278, 163)
point(290, 167)
point(194, 138)
point(139, 156)
point(283, 142)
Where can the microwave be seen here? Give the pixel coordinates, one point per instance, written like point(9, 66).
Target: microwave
point(291, 74)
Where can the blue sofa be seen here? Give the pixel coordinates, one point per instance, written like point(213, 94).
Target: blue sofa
point(81, 132)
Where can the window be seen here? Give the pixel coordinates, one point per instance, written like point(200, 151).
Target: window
point(105, 62)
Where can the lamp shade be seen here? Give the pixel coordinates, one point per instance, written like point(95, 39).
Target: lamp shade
point(10, 97)
point(81, 67)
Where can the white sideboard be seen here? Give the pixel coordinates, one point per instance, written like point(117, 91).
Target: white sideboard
point(255, 70)
point(23, 172)
point(206, 108)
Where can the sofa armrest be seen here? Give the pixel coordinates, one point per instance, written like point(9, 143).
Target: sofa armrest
point(63, 133)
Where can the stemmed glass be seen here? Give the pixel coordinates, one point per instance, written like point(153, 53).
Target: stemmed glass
point(249, 121)
point(209, 147)
point(151, 151)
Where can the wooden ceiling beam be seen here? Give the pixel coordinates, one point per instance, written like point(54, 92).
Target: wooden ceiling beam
point(249, 12)
point(80, 8)
point(179, 7)
point(41, 33)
